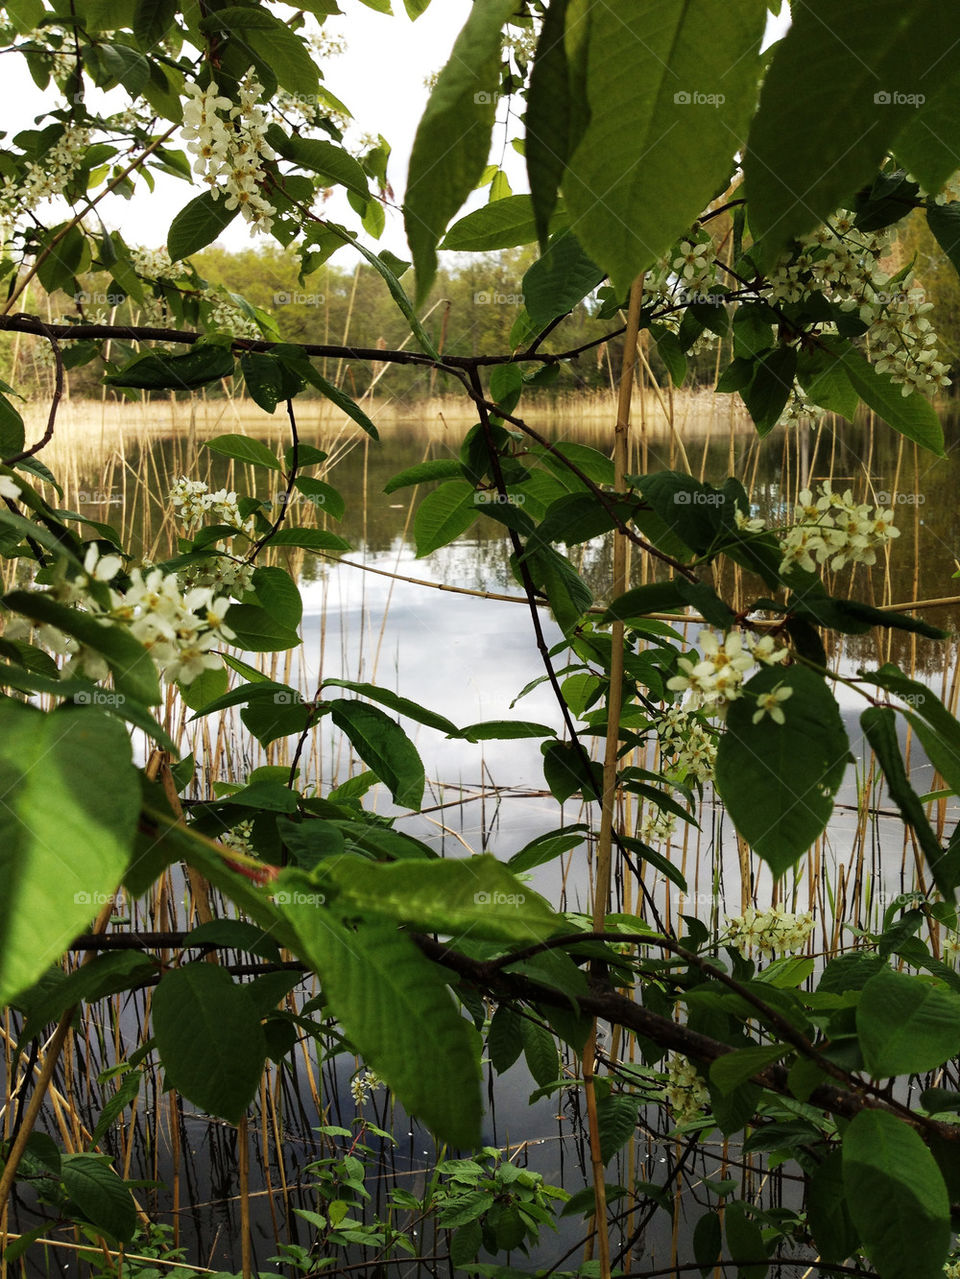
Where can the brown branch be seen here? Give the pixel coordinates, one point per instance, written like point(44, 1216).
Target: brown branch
point(55, 399)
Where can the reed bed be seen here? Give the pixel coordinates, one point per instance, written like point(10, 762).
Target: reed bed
point(118, 462)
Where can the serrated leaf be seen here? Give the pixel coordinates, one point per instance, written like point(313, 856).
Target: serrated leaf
point(778, 781)
point(453, 137)
point(244, 449)
point(906, 1026)
point(71, 800)
point(670, 89)
point(197, 225)
point(384, 747)
point(477, 896)
point(220, 1073)
point(443, 515)
point(395, 1007)
point(896, 1197)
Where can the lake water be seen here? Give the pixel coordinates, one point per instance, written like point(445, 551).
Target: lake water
point(468, 658)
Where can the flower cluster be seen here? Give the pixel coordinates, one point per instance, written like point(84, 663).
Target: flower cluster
point(656, 826)
point(238, 838)
point(769, 930)
point(951, 1269)
point(716, 679)
point(193, 503)
point(685, 737)
point(833, 527)
point(229, 141)
point(684, 1091)
point(363, 1084)
point(46, 178)
point(9, 488)
point(179, 630)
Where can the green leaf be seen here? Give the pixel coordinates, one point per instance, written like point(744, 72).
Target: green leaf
point(896, 1197)
point(218, 1072)
point(550, 105)
point(258, 631)
point(238, 934)
point(928, 143)
point(558, 280)
point(474, 895)
point(309, 539)
point(906, 1026)
point(545, 848)
point(733, 1069)
point(100, 1195)
point(769, 389)
point(616, 1122)
point(655, 597)
point(268, 41)
point(152, 20)
point(944, 221)
point(827, 1211)
point(817, 138)
point(453, 138)
point(825, 382)
point(384, 747)
point(502, 730)
point(323, 157)
point(778, 781)
point(244, 449)
point(323, 495)
point(197, 225)
point(443, 515)
point(278, 593)
point(744, 1240)
point(12, 430)
point(402, 705)
point(670, 89)
point(911, 415)
point(396, 1009)
point(71, 801)
point(441, 468)
point(879, 724)
point(157, 372)
point(540, 1052)
point(504, 224)
point(504, 1038)
point(707, 1242)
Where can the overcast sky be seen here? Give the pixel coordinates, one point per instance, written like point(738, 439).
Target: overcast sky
point(380, 78)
